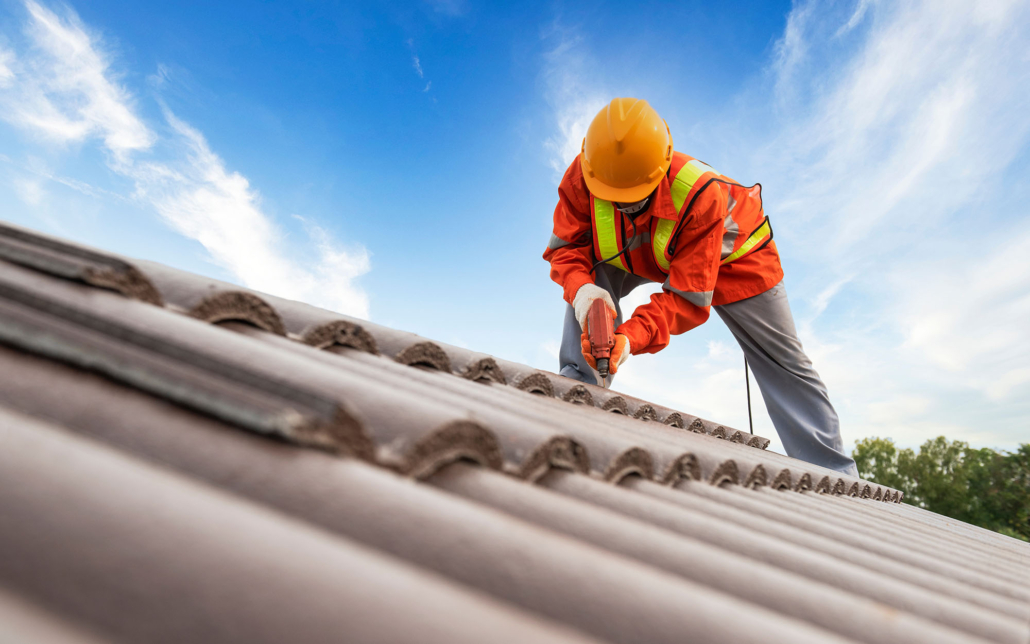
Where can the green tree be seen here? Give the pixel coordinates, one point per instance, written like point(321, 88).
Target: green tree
point(979, 486)
point(1006, 494)
point(880, 461)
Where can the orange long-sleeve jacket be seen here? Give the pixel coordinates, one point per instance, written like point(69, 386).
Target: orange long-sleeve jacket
point(713, 221)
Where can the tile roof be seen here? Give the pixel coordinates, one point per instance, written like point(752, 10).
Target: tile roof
point(182, 459)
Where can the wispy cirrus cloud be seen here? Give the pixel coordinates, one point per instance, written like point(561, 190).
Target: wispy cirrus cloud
point(64, 89)
point(892, 161)
point(897, 123)
point(6, 74)
point(203, 200)
point(892, 174)
point(61, 87)
point(416, 64)
point(931, 98)
point(574, 94)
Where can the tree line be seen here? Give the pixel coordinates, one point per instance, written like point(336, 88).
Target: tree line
point(979, 486)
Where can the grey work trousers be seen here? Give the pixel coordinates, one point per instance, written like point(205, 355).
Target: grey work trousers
point(794, 395)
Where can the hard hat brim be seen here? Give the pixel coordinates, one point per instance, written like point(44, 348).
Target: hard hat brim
point(622, 195)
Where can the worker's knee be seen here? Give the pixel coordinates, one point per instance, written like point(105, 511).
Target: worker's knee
point(572, 371)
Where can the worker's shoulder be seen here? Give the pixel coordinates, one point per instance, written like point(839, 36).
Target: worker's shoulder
point(574, 173)
point(573, 184)
point(681, 158)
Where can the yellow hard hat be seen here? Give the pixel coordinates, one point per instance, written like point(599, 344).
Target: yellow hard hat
point(627, 150)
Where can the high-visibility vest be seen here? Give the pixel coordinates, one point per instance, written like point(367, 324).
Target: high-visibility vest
point(608, 242)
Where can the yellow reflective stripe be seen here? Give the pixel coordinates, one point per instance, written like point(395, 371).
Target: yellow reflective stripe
point(604, 221)
point(756, 238)
point(662, 234)
point(685, 179)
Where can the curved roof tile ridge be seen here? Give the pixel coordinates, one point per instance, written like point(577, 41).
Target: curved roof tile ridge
point(612, 516)
point(615, 597)
point(301, 320)
point(64, 259)
point(223, 304)
point(85, 540)
point(242, 306)
point(340, 333)
point(62, 322)
point(678, 510)
point(728, 570)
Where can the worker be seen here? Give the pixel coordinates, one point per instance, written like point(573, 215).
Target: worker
point(632, 210)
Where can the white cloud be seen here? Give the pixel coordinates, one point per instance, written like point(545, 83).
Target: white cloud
point(822, 300)
point(911, 124)
point(40, 172)
point(6, 75)
point(717, 349)
point(332, 284)
point(416, 63)
point(856, 17)
point(888, 174)
point(792, 48)
point(30, 191)
point(65, 90)
point(892, 165)
point(202, 200)
point(571, 92)
point(638, 297)
point(898, 409)
point(970, 318)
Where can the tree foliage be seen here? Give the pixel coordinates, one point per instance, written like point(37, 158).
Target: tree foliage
point(979, 486)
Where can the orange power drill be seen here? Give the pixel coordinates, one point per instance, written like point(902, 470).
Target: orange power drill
point(601, 334)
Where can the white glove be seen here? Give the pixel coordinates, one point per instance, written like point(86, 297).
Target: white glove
point(585, 296)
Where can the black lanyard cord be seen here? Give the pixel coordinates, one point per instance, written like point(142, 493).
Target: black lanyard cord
point(690, 206)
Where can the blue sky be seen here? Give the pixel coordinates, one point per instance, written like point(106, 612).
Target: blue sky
point(399, 161)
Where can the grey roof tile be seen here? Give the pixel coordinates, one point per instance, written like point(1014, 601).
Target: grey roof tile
point(22, 621)
point(71, 261)
point(148, 348)
point(609, 517)
point(980, 557)
point(927, 518)
point(732, 573)
point(866, 555)
point(619, 599)
point(665, 511)
point(907, 550)
point(82, 534)
point(189, 293)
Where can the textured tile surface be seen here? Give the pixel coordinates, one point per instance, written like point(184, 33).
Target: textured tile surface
point(182, 459)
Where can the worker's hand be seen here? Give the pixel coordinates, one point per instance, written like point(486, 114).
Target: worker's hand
point(585, 297)
point(620, 352)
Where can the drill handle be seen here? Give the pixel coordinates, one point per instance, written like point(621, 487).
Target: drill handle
point(600, 330)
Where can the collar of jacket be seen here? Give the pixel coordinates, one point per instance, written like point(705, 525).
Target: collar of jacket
point(663, 207)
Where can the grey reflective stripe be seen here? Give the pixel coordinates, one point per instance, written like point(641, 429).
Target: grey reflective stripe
point(643, 239)
point(556, 242)
point(729, 237)
point(700, 299)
